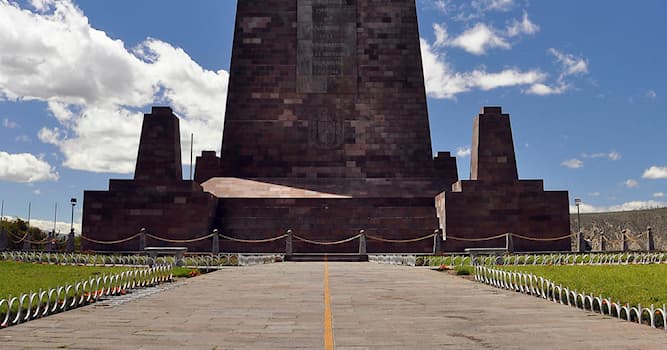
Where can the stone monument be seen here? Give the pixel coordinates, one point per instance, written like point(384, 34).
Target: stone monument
point(326, 134)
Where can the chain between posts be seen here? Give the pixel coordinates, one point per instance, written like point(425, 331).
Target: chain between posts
point(375, 238)
point(327, 242)
point(180, 240)
point(476, 239)
point(112, 242)
point(265, 240)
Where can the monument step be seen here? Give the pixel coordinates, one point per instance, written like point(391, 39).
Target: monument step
point(311, 257)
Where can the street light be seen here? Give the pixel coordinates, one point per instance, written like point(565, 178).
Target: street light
point(577, 202)
point(73, 202)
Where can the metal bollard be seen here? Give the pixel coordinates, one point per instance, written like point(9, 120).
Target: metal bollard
point(650, 244)
point(624, 241)
point(26, 244)
point(142, 239)
point(509, 243)
point(70, 241)
point(3, 238)
point(362, 242)
point(216, 242)
point(288, 243)
point(581, 243)
point(437, 242)
point(47, 246)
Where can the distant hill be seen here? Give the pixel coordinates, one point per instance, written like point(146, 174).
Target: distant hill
point(635, 222)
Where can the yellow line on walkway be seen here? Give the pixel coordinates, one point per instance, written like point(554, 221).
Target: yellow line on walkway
point(328, 330)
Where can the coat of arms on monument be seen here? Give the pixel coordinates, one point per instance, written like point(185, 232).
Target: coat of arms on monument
point(326, 129)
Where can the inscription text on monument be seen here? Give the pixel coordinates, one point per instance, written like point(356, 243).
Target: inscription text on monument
point(327, 45)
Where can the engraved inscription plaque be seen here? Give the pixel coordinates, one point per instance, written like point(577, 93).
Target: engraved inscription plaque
point(327, 46)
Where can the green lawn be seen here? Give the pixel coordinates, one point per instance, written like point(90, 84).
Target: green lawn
point(17, 278)
point(633, 284)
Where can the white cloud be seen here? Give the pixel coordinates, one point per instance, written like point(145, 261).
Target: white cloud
point(594, 194)
point(631, 183)
point(478, 39)
point(47, 225)
point(441, 35)
point(492, 5)
point(611, 155)
point(544, 89)
point(36, 192)
point(628, 206)
point(443, 82)
point(42, 5)
point(585, 208)
point(571, 64)
point(524, 27)
point(441, 5)
point(22, 138)
point(108, 134)
point(463, 151)
point(614, 156)
point(25, 167)
point(507, 77)
point(659, 195)
point(6, 123)
point(573, 163)
point(651, 94)
point(97, 89)
point(655, 173)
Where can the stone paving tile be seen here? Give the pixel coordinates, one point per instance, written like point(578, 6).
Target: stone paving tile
point(280, 306)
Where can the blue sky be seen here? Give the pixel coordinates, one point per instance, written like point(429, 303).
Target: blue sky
point(584, 83)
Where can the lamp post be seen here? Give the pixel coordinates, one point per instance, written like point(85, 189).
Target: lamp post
point(70, 237)
point(73, 202)
point(580, 243)
point(577, 202)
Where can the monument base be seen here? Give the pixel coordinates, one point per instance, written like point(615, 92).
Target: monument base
point(326, 211)
point(474, 211)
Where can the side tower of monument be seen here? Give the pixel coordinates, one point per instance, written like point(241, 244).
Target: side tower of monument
point(157, 199)
point(495, 202)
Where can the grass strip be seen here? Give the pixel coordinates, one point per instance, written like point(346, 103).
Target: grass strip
point(633, 284)
point(18, 278)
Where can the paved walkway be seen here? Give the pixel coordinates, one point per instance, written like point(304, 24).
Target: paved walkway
point(282, 306)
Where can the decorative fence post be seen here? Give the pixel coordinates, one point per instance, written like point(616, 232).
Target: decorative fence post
point(437, 242)
point(70, 241)
point(509, 243)
point(624, 241)
point(3, 235)
point(362, 242)
point(47, 246)
point(603, 241)
point(581, 242)
point(650, 244)
point(3, 238)
point(288, 243)
point(215, 249)
point(142, 239)
point(26, 243)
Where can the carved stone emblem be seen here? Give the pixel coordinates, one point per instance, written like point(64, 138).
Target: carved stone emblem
point(326, 130)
